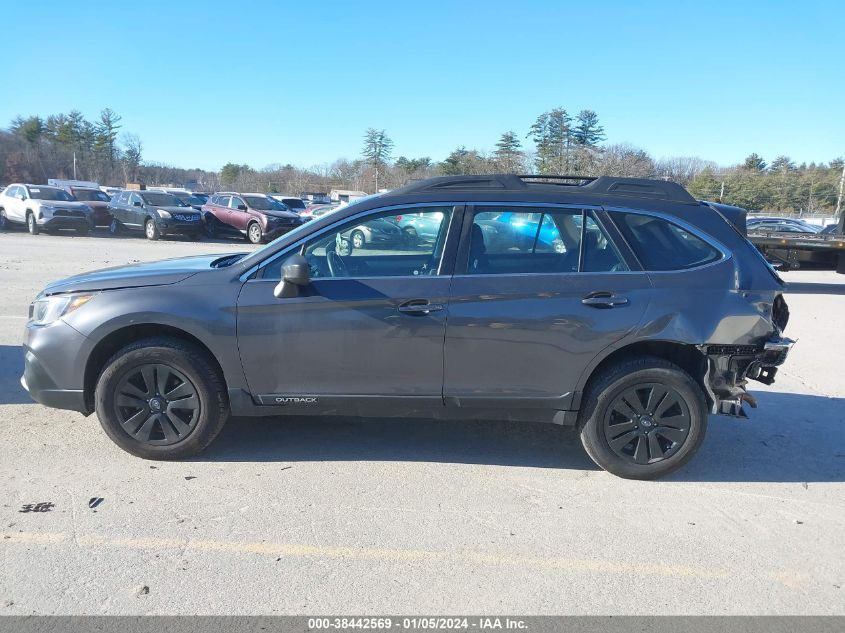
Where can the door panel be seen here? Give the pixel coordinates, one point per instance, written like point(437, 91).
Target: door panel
point(523, 340)
point(343, 337)
point(367, 330)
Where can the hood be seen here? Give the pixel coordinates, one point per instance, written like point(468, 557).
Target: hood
point(64, 204)
point(172, 209)
point(160, 273)
point(281, 214)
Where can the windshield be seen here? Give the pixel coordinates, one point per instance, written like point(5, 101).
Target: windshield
point(189, 199)
point(160, 199)
point(294, 203)
point(90, 195)
point(50, 193)
point(262, 203)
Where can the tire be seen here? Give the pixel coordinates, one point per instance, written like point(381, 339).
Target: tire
point(359, 240)
point(253, 233)
point(4, 221)
point(151, 229)
point(195, 235)
point(31, 224)
point(621, 415)
point(115, 228)
point(211, 228)
point(155, 428)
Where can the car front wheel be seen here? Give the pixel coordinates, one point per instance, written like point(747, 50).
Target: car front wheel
point(31, 224)
point(161, 398)
point(643, 418)
point(253, 233)
point(151, 229)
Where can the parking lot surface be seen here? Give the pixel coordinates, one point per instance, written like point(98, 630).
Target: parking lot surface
point(393, 516)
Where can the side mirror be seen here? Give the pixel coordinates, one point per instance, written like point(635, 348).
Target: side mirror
point(136, 203)
point(241, 207)
point(295, 273)
point(20, 197)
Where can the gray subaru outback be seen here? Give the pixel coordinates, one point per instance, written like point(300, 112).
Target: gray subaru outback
point(622, 307)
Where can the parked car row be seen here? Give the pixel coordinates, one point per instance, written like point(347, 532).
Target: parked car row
point(154, 212)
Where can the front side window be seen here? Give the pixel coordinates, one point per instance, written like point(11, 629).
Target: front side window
point(402, 243)
point(235, 203)
point(661, 245)
point(540, 241)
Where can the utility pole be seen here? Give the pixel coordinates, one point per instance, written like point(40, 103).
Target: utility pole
point(74, 174)
point(722, 192)
point(841, 187)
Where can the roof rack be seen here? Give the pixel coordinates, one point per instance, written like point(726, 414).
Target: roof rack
point(565, 180)
point(607, 185)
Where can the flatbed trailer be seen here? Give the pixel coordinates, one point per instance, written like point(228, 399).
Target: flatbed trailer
point(790, 249)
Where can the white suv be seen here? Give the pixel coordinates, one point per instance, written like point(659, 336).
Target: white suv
point(40, 206)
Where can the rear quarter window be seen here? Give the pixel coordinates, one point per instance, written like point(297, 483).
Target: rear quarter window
point(662, 245)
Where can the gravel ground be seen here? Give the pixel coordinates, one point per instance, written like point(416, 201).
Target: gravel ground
point(388, 516)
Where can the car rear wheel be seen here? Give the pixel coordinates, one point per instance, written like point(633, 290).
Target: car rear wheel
point(161, 398)
point(151, 229)
point(643, 418)
point(358, 239)
point(253, 233)
point(4, 221)
point(31, 224)
point(115, 227)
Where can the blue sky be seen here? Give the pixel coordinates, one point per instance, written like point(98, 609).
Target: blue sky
point(204, 83)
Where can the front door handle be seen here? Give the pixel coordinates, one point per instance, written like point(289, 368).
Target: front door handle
point(419, 306)
point(604, 300)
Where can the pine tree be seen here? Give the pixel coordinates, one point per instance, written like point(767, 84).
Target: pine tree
point(552, 134)
point(508, 154)
point(378, 148)
point(754, 162)
point(587, 131)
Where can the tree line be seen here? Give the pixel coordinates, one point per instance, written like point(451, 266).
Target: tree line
point(33, 149)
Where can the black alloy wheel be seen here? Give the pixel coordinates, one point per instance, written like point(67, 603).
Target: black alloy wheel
point(647, 423)
point(156, 404)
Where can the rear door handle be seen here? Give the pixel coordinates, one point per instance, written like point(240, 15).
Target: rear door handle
point(604, 300)
point(419, 306)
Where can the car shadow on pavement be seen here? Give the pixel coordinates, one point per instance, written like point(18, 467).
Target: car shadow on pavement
point(789, 438)
point(11, 368)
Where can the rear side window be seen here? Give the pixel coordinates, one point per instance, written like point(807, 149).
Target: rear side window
point(539, 241)
point(661, 245)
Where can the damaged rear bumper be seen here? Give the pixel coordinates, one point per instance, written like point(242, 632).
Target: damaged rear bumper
point(730, 367)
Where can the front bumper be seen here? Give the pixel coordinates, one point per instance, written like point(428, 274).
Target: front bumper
point(52, 372)
point(57, 222)
point(173, 225)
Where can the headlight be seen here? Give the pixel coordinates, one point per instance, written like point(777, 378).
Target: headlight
point(45, 311)
point(47, 208)
point(164, 215)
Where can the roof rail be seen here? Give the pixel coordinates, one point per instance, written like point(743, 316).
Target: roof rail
point(607, 185)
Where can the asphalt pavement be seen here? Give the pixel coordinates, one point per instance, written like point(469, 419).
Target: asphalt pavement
point(304, 516)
